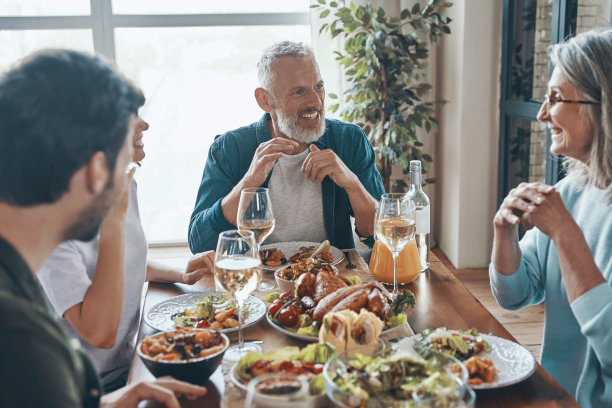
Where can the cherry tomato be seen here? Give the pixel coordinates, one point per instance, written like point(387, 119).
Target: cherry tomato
point(203, 324)
point(288, 317)
point(275, 306)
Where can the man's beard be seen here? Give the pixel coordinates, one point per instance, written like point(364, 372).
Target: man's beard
point(88, 222)
point(290, 126)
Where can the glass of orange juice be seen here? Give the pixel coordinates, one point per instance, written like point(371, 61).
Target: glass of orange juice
point(408, 264)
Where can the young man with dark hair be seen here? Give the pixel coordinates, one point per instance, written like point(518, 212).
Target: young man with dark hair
point(65, 118)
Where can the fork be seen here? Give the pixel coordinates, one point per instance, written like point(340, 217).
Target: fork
point(349, 264)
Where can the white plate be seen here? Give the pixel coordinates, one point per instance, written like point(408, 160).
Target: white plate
point(290, 248)
point(160, 315)
point(514, 362)
point(319, 401)
point(305, 337)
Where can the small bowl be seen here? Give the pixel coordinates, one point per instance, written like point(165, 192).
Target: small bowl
point(195, 371)
point(286, 285)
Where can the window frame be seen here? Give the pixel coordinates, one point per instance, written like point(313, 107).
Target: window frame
point(509, 108)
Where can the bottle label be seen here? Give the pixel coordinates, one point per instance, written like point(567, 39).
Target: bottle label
point(422, 220)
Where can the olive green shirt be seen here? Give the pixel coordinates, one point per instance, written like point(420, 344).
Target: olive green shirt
point(38, 365)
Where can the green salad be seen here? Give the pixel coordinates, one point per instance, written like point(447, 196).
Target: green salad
point(393, 379)
point(211, 310)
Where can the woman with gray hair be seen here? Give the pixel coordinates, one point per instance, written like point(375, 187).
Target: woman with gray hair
point(566, 260)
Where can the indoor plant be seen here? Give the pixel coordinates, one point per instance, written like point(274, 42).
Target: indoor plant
point(384, 59)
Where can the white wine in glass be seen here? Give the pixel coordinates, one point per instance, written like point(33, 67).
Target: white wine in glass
point(395, 226)
point(238, 272)
point(255, 214)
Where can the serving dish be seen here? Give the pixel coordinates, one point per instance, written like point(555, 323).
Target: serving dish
point(290, 248)
point(196, 369)
point(514, 362)
point(159, 316)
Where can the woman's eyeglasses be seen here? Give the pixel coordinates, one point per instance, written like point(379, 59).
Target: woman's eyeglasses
point(552, 100)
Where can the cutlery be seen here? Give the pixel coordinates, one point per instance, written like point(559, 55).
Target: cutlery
point(254, 341)
point(349, 264)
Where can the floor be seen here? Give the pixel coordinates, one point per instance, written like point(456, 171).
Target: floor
point(525, 325)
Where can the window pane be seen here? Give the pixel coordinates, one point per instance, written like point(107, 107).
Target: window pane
point(16, 44)
point(44, 7)
point(527, 152)
point(199, 82)
point(592, 14)
point(208, 7)
point(532, 31)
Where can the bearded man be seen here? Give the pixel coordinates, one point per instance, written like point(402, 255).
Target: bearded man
point(320, 172)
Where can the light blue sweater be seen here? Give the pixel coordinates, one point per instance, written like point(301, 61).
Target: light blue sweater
point(577, 344)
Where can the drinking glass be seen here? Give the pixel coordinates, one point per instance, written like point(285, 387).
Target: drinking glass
point(278, 390)
point(395, 225)
point(238, 272)
point(255, 214)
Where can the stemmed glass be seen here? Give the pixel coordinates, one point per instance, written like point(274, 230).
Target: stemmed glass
point(255, 214)
point(238, 272)
point(395, 225)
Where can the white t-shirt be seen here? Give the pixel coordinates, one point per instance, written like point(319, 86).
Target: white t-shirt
point(67, 275)
point(296, 201)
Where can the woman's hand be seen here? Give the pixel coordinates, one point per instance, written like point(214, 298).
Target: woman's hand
point(551, 217)
point(198, 265)
point(165, 390)
point(519, 201)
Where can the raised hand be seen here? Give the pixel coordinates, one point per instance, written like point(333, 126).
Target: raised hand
point(321, 163)
point(519, 201)
point(265, 157)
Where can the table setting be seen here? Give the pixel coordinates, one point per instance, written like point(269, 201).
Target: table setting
point(305, 324)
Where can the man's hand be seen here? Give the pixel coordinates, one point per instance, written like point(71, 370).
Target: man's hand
point(265, 157)
point(321, 163)
point(164, 390)
point(198, 265)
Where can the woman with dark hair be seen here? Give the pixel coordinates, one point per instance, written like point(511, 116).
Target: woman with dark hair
point(566, 260)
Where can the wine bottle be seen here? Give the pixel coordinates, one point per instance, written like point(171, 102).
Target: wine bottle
point(421, 204)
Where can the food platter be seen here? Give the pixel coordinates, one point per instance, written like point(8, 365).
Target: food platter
point(514, 362)
point(159, 316)
point(305, 337)
point(290, 248)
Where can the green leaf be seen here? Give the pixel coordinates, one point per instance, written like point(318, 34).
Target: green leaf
point(332, 95)
point(322, 2)
point(427, 158)
point(333, 4)
point(324, 13)
point(405, 14)
point(415, 9)
point(333, 108)
point(446, 29)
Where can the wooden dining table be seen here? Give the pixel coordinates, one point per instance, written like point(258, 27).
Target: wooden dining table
point(441, 301)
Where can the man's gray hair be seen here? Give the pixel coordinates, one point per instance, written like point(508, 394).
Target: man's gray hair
point(586, 62)
point(276, 51)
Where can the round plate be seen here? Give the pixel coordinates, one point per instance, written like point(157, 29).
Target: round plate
point(160, 315)
point(290, 248)
point(514, 362)
point(306, 337)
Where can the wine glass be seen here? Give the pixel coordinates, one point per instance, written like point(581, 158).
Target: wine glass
point(255, 214)
point(395, 225)
point(238, 272)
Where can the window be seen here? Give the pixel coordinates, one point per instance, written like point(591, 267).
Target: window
point(530, 26)
point(196, 63)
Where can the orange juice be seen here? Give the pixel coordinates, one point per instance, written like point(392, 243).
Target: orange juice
point(408, 264)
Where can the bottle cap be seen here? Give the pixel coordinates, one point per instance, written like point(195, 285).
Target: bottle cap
point(415, 165)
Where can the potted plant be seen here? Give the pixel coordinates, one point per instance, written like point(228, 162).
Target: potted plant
point(385, 59)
